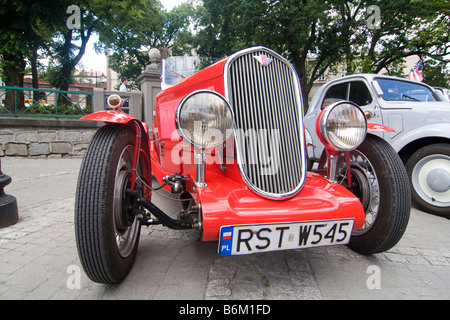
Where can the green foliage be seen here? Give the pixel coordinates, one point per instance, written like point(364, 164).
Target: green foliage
point(315, 35)
point(54, 111)
point(408, 28)
point(435, 74)
point(43, 24)
point(60, 110)
point(55, 78)
point(25, 24)
point(129, 36)
point(322, 35)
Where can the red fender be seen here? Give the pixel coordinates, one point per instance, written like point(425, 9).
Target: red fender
point(141, 131)
point(113, 116)
point(375, 127)
point(110, 116)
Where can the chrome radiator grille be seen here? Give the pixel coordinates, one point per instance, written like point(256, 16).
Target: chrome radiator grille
point(263, 90)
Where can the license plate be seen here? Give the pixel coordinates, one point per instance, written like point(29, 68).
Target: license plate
point(247, 239)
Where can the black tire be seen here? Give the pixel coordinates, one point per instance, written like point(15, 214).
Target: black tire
point(432, 161)
point(99, 227)
point(388, 205)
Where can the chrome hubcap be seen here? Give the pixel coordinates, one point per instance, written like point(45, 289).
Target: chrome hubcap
point(126, 226)
point(365, 186)
point(431, 179)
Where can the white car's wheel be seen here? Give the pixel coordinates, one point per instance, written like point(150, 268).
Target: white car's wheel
point(429, 173)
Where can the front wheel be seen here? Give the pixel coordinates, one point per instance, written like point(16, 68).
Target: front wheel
point(379, 180)
point(107, 231)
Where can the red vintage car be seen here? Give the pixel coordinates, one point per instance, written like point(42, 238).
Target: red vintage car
point(229, 141)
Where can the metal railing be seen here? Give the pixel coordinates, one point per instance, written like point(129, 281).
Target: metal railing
point(51, 103)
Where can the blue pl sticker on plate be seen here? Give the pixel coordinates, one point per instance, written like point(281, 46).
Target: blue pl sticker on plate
point(226, 241)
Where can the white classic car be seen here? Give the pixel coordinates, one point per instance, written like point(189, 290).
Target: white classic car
point(421, 121)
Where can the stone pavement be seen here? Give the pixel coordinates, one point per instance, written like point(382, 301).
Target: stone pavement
point(38, 256)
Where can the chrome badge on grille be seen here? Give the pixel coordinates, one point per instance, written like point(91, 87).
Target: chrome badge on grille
point(263, 59)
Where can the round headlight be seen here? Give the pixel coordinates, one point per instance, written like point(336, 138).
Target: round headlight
point(204, 119)
point(114, 101)
point(342, 126)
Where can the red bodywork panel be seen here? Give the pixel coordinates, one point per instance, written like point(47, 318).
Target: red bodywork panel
point(165, 134)
point(113, 116)
point(141, 131)
point(375, 127)
point(227, 200)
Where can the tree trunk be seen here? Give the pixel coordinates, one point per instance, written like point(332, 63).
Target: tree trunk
point(300, 67)
point(69, 64)
point(13, 77)
point(66, 63)
point(63, 99)
point(35, 76)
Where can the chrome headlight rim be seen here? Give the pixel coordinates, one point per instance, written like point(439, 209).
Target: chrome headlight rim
point(324, 132)
point(114, 101)
point(182, 131)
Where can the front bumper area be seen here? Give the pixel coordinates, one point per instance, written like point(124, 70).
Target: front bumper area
point(226, 202)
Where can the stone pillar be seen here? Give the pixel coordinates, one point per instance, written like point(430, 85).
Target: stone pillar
point(9, 214)
point(150, 81)
point(135, 104)
point(99, 100)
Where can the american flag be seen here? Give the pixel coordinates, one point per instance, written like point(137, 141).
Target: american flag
point(416, 73)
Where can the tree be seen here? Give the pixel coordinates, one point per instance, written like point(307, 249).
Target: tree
point(82, 19)
point(406, 28)
point(435, 74)
point(127, 37)
point(67, 54)
point(300, 30)
point(24, 27)
point(130, 37)
point(69, 43)
point(326, 33)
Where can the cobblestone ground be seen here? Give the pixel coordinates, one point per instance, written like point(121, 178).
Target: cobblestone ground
point(38, 257)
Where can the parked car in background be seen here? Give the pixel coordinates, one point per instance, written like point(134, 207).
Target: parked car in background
point(421, 121)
